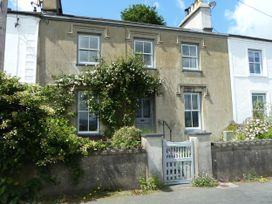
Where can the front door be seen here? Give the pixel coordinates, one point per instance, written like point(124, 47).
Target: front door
point(145, 115)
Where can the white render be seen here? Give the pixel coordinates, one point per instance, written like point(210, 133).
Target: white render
point(243, 84)
point(21, 47)
point(199, 17)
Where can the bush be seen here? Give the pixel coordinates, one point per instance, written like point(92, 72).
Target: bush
point(127, 138)
point(149, 184)
point(254, 128)
point(205, 181)
point(33, 132)
point(232, 127)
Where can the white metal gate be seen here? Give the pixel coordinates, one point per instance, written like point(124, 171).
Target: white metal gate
point(178, 165)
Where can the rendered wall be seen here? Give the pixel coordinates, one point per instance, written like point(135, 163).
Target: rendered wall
point(21, 47)
point(243, 83)
point(231, 160)
point(105, 171)
point(58, 55)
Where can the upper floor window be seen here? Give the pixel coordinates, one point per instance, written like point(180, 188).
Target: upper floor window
point(88, 49)
point(145, 48)
point(192, 110)
point(255, 61)
point(189, 56)
point(87, 121)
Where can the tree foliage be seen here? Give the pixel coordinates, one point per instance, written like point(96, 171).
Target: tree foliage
point(143, 14)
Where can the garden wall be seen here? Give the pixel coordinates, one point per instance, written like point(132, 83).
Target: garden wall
point(230, 160)
point(107, 171)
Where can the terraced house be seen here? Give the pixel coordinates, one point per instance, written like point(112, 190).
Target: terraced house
point(193, 66)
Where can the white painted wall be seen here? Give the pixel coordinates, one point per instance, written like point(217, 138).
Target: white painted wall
point(21, 47)
point(199, 18)
point(242, 82)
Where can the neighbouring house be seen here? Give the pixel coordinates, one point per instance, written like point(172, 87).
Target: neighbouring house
point(193, 66)
point(22, 45)
point(251, 74)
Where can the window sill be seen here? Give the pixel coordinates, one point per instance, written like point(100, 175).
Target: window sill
point(192, 70)
point(91, 134)
point(86, 65)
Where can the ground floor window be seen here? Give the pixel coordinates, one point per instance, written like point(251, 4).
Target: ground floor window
point(258, 104)
point(87, 122)
point(192, 110)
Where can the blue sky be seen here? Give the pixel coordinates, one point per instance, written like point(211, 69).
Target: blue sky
point(245, 17)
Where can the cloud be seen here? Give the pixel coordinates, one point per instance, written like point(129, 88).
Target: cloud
point(181, 4)
point(156, 4)
point(248, 21)
point(23, 5)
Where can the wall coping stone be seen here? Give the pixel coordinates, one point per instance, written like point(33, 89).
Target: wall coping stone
point(153, 135)
point(117, 151)
point(241, 143)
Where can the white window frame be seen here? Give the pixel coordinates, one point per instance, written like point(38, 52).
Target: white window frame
point(258, 94)
point(193, 110)
point(254, 62)
point(145, 53)
point(78, 118)
point(89, 49)
point(196, 57)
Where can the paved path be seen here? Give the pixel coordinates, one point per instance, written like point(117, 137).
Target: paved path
point(242, 193)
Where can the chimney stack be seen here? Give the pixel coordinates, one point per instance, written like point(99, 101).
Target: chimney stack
point(52, 6)
point(198, 16)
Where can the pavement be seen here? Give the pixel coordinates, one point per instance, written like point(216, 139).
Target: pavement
point(240, 193)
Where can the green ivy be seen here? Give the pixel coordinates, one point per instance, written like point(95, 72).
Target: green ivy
point(117, 86)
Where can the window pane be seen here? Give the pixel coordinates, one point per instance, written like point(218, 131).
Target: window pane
point(195, 119)
point(147, 60)
point(83, 121)
point(83, 42)
point(186, 62)
point(257, 69)
point(187, 99)
point(138, 47)
point(254, 100)
point(146, 109)
point(195, 102)
point(93, 56)
point(94, 42)
point(193, 51)
point(185, 50)
point(83, 102)
point(251, 68)
point(147, 47)
point(250, 56)
point(257, 57)
point(193, 63)
point(188, 119)
point(83, 56)
point(92, 122)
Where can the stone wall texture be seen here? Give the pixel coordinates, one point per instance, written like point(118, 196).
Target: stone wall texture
point(114, 170)
point(231, 160)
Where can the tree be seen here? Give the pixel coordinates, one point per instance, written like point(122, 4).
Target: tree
point(143, 14)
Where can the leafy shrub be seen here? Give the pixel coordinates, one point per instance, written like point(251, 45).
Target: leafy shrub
point(33, 132)
point(118, 85)
point(205, 181)
point(126, 138)
point(254, 128)
point(149, 184)
point(266, 135)
point(232, 127)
